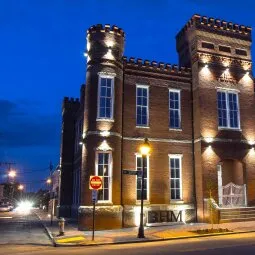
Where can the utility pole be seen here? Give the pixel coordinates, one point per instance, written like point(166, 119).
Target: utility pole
point(52, 199)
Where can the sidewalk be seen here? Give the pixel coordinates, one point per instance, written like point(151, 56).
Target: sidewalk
point(129, 235)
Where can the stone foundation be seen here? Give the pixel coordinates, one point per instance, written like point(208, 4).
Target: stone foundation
point(110, 217)
point(106, 217)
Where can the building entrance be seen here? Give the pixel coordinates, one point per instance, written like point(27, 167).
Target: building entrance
point(231, 186)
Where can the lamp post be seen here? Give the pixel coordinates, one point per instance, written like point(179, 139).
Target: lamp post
point(11, 174)
point(144, 151)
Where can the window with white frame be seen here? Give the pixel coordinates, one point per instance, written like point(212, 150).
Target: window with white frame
point(228, 109)
point(174, 109)
point(105, 97)
point(142, 105)
point(104, 169)
point(139, 167)
point(175, 162)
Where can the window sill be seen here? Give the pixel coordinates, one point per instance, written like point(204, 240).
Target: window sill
point(142, 126)
point(176, 201)
point(107, 120)
point(230, 129)
point(175, 129)
point(145, 202)
point(102, 202)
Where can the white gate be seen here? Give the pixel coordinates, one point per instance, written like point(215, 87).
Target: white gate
point(234, 195)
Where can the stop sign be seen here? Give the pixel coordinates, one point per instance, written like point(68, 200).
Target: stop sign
point(95, 182)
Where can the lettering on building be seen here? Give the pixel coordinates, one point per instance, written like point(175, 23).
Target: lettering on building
point(164, 216)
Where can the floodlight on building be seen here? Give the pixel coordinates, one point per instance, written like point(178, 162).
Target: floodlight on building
point(227, 70)
point(109, 50)
point(105, 133)
point(85, 54)
point(209, 140)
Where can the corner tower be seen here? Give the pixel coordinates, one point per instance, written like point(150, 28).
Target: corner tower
point(102, 133)
point(219, 54)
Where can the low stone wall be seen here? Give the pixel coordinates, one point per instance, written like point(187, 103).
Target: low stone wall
point(106, 217)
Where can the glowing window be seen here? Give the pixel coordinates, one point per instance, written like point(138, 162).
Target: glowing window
point(139, 167)
point(142, 105)
point(174, 109)
point(228, 110)
point(105, 97)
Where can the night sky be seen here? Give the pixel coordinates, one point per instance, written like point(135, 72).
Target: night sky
point(41, 61)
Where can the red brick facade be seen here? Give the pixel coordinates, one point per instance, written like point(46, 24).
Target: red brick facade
point(215, 56)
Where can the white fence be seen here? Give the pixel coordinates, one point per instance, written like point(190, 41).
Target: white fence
point(234, 195)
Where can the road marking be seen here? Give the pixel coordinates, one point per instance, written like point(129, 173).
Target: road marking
point(5, 217)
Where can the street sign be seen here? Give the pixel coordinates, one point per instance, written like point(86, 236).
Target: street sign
point(95, 182)
point(94, 195)
point(132, 172)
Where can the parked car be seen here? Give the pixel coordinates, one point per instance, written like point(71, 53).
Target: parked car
point(5, 208)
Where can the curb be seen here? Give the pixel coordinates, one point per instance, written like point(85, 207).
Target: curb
point(48, 232)
point(153, 240)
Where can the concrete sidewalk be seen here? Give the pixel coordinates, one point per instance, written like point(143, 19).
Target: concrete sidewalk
point(129, 235)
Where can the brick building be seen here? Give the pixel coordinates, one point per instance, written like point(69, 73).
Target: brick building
point(199, 118)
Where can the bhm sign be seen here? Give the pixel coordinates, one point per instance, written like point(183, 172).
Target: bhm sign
point(164, 216)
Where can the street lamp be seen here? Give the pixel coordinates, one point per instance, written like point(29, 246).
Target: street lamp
point(21, 187)
point(144, 151)
point(12, 174)
point(48, 181)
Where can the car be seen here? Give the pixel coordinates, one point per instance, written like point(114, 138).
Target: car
point(5, 208)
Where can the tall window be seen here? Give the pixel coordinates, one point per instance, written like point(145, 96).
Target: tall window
point(78, 134)
point(175, 176)
point(228, 110)
point(76, 186)
point(142, 103)
point(174, 109)
point(105, 97)
point(103, 169)
point(139, 167)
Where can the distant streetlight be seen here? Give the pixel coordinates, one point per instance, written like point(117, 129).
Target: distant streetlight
point(144, 151)
point(21, 187)
point(48, 181)
point(12, 174)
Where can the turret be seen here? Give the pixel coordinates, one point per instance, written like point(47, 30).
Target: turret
point(103, 118)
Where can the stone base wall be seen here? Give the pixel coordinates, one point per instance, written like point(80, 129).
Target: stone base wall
point(112, 217)
point(106, 217)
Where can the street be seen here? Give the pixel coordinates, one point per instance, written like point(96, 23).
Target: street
point(17, 228)
point(25, 235)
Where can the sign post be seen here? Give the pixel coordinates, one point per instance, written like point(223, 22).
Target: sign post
point(95, 184)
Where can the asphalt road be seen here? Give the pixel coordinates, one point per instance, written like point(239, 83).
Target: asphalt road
point(24, 235)
point(226, 245)
point(17, 228)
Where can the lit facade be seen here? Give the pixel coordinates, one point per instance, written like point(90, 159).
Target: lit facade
point(199, 118)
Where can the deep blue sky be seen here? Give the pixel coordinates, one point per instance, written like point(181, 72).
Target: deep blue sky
point(41, 61)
